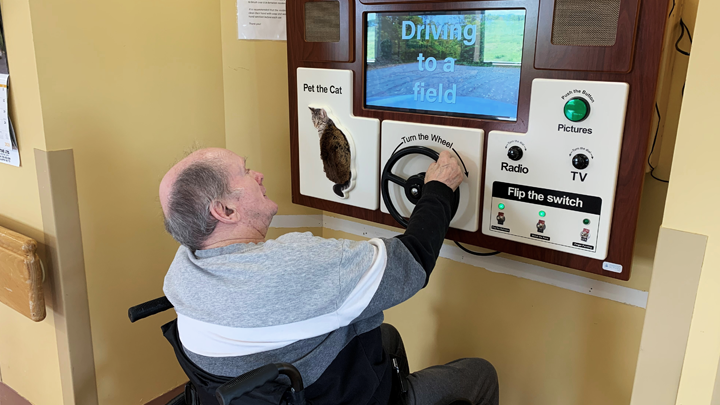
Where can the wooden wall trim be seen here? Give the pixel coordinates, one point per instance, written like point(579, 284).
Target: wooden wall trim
point(66, 271)
point(21, 275)
point(166, 397)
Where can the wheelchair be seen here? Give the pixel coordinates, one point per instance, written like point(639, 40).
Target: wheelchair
point(238, 386)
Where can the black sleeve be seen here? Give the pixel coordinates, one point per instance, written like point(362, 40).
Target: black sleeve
point(428, 225)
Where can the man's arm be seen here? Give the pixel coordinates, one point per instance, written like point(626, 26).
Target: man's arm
point(431, 218)
point(409, 259)
point(428, 225)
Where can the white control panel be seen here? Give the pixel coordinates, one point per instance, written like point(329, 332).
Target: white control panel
point(554, 187)
point(466, 144)
point(324, 164)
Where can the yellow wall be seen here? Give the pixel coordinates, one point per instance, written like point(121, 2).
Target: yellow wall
point(128, 85)
point(256, 107)
point(28, 350)
point(550, 346)
point(673, 88)
point(692, 202)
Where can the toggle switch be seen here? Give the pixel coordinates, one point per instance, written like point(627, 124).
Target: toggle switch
point(515, 153)
point(541, 226)
point(580, 161)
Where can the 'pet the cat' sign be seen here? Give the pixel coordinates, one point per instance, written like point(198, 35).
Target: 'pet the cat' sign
point(319, 88)
point(339, 153)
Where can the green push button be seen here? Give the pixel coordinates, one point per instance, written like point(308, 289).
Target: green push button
point(577, 109)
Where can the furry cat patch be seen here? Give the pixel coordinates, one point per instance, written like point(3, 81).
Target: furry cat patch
point(336, 152)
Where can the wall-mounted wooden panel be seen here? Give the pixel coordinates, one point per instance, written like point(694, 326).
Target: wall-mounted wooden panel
point(634, 59)
point(615, 58)
point(410, 1)
point(322, 51)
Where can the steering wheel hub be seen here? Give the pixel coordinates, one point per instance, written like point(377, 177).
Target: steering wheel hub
point(414, 186)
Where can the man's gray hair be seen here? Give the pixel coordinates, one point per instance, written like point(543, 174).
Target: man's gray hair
point(188, 218)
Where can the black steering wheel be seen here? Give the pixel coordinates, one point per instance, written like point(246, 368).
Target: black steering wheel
point(413, 185)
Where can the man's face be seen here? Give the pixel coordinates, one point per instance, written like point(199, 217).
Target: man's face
point(248, 191)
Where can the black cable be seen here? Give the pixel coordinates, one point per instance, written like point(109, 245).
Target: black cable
point(475, 253)
point(657, 178)
point(683, 28)
point(682, 23)
point(652, 168)
point(672, 9)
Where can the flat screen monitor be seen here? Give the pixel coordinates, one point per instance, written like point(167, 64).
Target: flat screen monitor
point(461, 63)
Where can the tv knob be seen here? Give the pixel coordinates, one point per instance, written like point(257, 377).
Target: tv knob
point(580, 161)
point(515, 153)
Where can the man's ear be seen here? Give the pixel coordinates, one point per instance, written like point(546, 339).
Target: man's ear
point(223, 213)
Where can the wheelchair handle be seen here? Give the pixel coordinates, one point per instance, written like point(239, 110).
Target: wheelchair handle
point(149, 308)
point(247, 382)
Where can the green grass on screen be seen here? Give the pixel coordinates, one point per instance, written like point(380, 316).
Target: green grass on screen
point(503, 41)
point(371, 44)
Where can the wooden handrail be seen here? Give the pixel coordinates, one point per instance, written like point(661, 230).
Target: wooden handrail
point(21, 275)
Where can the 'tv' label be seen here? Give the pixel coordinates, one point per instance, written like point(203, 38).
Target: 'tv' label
point(580, 175)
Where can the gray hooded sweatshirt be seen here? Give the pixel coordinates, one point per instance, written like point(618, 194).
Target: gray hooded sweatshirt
point(297, 299)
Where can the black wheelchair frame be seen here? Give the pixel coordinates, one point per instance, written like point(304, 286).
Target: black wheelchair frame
point(238, 386)
point(241, 385)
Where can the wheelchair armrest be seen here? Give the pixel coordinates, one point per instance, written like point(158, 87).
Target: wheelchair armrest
point(149, 308)
point(247, 382)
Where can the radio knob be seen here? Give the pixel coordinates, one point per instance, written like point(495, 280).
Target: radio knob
point(580, 161)
point(515, 153)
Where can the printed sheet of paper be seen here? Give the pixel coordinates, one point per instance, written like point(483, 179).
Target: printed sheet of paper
point(8, 144)
point(261, 19)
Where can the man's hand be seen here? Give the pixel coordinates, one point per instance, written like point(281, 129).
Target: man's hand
point(446, 170)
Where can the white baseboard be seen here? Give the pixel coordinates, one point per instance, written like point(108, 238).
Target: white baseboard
point(495, 264)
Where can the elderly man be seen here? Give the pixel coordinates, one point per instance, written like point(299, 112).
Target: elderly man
point(243, 301)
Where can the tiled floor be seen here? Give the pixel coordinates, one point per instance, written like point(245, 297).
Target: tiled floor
point(9, 397)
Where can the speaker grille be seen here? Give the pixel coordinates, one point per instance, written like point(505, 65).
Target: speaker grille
point(585, 22)
point(322, 21)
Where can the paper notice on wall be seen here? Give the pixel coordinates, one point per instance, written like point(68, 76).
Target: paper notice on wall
point(261, 19)
point(8, 143)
